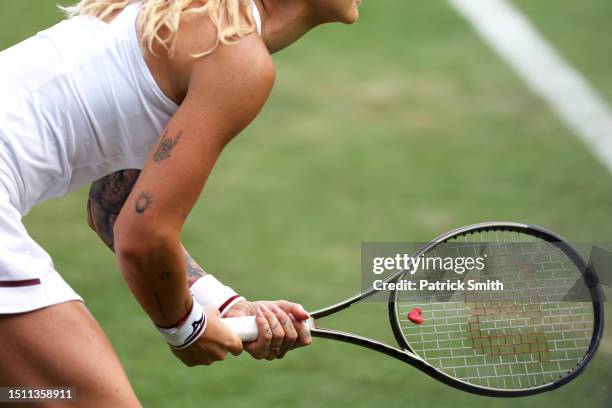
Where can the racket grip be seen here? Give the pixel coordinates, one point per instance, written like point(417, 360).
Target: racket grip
point(246, 327)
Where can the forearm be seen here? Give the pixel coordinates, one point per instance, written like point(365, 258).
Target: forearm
point(106, 199)
point(155, 273)
point(158, 279)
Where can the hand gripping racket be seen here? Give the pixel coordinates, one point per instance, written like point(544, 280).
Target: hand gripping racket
point(534, 338)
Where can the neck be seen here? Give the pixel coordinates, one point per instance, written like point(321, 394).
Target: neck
point(284, 22)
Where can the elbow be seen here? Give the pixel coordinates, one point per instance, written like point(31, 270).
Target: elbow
point(138, 249)
point(131, 256)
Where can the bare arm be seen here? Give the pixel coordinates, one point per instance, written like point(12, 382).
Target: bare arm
point(107, 197)
point(225, 92)
point(142, 223)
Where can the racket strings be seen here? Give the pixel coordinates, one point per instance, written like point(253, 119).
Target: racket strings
point(524, 336)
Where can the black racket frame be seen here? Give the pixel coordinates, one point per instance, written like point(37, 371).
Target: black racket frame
point(406, 354)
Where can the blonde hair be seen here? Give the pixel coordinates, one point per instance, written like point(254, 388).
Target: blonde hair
point(157, 15)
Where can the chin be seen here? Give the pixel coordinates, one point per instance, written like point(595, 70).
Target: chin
point(337, 11)
point(352, 16)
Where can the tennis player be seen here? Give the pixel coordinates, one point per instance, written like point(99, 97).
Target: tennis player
point(141, 96)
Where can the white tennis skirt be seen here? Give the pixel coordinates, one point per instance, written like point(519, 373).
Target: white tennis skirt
point(28, 280)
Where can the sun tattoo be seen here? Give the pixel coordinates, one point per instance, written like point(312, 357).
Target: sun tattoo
point(164, 151)
point(144, 201)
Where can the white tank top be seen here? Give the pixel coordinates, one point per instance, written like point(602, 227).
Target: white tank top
point(77, 102)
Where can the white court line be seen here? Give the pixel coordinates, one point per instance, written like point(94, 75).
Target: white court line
point(569, 94)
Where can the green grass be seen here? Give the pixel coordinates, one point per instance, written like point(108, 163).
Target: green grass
point(579, 30)
point(396, 129)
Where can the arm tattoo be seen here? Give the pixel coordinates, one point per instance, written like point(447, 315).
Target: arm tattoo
point(144, 201)
point(106, 198)
point(194, 271)
point(167, 144)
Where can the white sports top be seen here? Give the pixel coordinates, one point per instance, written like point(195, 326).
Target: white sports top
point(77, 102)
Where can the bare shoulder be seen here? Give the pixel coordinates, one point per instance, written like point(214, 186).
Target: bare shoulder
point(247, 63)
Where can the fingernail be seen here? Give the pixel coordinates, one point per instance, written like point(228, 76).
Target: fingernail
point(259, 312)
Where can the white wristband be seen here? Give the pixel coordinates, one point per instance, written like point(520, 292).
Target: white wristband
point(209, 291)
point(188, 331)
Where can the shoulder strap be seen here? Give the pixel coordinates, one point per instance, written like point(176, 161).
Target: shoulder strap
point(256, 16)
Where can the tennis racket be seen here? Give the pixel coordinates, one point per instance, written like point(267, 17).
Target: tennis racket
point(534, 339)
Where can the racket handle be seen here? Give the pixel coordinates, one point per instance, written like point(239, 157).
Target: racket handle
point(246, 327)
